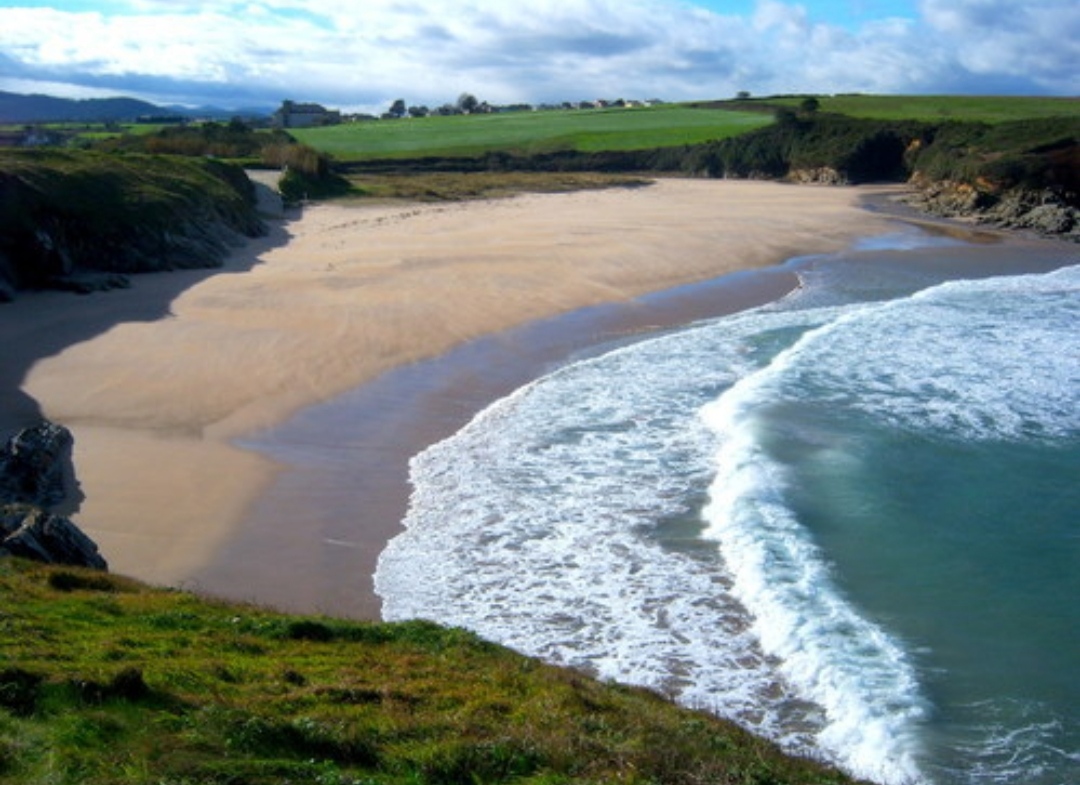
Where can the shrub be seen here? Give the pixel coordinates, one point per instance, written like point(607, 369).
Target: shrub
point(306, 630)
point(66, 581)
point(19, 691)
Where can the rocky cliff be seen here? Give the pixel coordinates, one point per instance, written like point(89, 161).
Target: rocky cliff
point(35, 476)
point(82, 220)
point(1044, 211)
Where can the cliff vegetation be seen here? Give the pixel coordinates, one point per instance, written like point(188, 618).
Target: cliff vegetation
point(83, 219)
point(306, 172)
point(105, 681)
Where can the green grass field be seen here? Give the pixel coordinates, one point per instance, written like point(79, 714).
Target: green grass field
point(104, 681)
point(530, 132)
point(935, 108)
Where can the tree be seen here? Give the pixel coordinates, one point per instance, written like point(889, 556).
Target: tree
point(467, 103)
point(809, 105)
point(397, 109)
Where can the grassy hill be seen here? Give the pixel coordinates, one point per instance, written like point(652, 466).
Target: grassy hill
point(637, 129)
point(104, 681)
point(530, 133)
point(939, 108)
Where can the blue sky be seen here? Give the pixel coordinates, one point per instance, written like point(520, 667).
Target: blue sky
point(842, 13)
point(363, 54)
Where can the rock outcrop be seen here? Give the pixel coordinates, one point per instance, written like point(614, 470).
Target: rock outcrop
point(822, 175)
point(35, 467)
point(1044, 211)
point(34, 464)
point(32, 533)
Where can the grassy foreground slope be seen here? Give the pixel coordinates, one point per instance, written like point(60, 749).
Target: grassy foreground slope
point(104, 680)
point(530, 133)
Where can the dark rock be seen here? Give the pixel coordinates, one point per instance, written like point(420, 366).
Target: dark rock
point(822, 175)
point(31, 533)
point(35, 468)
point(35, 464)
point(1043, 211)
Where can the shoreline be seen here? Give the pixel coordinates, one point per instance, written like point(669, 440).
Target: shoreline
point(348, 458)
point(160, 396)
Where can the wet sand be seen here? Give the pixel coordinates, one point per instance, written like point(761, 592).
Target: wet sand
point(180, 391)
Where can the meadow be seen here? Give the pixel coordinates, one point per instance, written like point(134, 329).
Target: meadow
point(623, 130)
point(938, 108)
point(530, 133)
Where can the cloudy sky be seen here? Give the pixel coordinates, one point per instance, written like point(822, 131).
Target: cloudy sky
point(362, 54)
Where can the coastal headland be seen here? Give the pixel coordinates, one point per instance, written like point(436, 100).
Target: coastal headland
point(161, 383)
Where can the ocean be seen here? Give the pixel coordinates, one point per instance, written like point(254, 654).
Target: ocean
point(848, 520)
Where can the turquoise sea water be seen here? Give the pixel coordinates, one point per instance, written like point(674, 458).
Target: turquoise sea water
point(849, 521)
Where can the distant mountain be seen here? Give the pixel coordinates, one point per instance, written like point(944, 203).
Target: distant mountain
point(16, 108)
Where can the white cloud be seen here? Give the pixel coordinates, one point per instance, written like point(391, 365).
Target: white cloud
point(428, 51)
point(1004, 39)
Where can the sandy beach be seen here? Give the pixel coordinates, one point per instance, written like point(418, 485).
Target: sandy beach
point(159, 382)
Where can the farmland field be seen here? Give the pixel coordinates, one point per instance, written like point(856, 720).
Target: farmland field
point(935, 108)
point(530, 132)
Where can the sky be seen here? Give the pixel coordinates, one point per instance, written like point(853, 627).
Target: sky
point(361, 55)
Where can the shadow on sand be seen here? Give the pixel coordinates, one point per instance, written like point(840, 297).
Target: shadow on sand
point(38, 325)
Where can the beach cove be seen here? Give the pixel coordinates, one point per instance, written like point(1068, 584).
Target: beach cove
point(159, 382)
point(622, 434)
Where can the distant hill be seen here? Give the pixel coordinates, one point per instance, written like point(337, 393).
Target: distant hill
point(17, 108)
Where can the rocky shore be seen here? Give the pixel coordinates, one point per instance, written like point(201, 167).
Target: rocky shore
point(1046, 212)
point(36, 477)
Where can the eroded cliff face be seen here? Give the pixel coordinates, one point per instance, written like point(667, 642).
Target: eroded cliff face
point(83, 221)
point(1045, 211)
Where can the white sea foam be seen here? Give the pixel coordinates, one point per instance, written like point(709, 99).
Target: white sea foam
point(826, 649)
point(564, 521)
point(973, 360)
point(551, 522)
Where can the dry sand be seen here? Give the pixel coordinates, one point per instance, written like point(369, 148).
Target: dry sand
point(156, 382)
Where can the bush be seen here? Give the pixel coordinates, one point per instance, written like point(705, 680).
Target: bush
point(66, 581)
point(19, 691)
point(304, 630)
